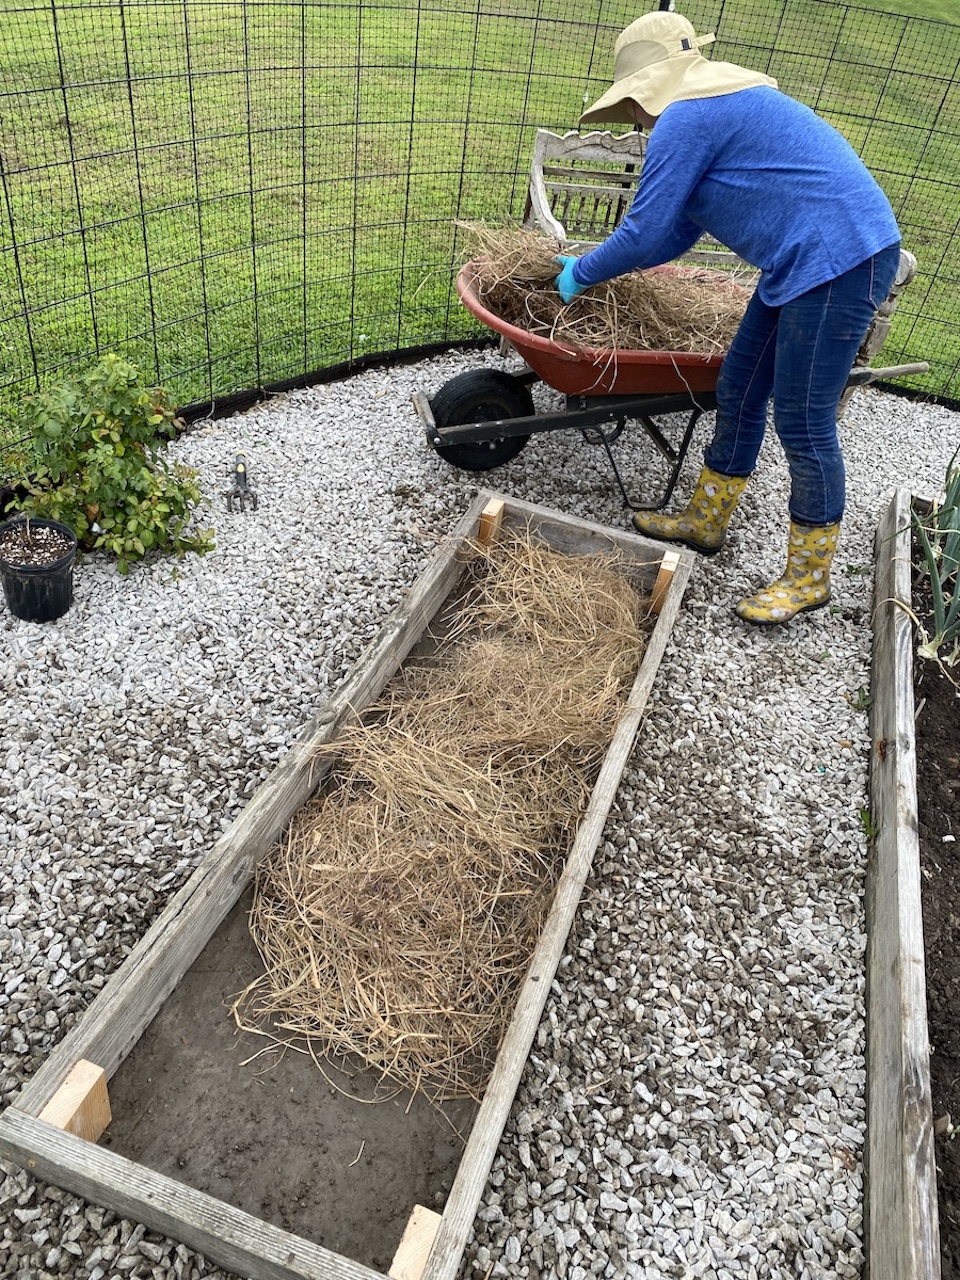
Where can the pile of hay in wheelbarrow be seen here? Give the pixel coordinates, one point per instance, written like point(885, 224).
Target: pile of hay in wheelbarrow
point(398, 916)
point(683, 308)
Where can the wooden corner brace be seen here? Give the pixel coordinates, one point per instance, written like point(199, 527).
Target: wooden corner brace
point(413, 1249)
point(668, 567)
point(491, 518)
point(81, 1105)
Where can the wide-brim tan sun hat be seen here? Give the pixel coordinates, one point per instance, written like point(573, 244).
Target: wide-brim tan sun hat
point(657, 60)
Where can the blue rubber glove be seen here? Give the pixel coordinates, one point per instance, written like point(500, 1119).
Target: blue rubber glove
point(567, 286)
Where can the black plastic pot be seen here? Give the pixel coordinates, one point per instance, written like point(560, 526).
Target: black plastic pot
point(39, 593)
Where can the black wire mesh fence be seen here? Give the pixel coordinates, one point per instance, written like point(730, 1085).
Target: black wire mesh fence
point(240, 193)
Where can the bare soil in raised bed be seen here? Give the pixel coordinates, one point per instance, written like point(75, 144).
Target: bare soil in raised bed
point(938, 793)
point(270, 1134)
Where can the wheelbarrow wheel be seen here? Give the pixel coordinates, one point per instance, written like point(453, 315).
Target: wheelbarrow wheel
point(481, 395)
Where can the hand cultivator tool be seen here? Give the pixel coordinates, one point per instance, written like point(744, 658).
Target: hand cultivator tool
point(483, 418)
point(241, 495)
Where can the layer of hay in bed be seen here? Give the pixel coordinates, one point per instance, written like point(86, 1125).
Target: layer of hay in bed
point(398, 916)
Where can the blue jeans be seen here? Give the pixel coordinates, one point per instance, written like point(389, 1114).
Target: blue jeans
point(801, 354)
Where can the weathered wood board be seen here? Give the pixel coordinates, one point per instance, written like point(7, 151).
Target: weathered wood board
point(902, 1234)
point(239, 1241)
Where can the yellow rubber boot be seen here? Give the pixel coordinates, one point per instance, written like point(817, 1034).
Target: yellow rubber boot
point(805, 584)
point(702, 525)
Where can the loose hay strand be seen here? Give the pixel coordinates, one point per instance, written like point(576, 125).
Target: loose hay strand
point(398, 915)
point(691, 310)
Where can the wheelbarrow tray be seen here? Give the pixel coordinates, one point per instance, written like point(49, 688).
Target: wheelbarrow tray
point(590, 371)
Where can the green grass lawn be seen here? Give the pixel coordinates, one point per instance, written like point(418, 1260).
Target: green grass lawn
point(233, 194)
point(935, 10)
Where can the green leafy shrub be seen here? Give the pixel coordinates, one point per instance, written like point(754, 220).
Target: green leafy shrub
point(97, 466)
point(938, 533)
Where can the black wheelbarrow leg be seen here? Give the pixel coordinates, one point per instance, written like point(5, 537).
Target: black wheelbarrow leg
point(676, 457)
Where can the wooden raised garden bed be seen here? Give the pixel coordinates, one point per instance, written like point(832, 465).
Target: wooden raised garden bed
point(902, 1234)
point(54, 1126)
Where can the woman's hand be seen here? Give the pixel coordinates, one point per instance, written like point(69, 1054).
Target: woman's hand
point(567, 286)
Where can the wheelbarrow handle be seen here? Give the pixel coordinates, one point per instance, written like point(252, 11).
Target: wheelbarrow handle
point(863, 377)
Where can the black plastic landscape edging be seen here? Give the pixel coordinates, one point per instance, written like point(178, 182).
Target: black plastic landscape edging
point(238, 401)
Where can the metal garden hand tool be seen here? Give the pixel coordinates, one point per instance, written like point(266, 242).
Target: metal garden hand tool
point(241, 495)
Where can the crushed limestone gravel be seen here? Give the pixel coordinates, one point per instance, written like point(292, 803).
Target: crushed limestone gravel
point(694, 1102)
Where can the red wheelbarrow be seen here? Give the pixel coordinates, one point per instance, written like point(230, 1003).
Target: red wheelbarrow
point(482, 419)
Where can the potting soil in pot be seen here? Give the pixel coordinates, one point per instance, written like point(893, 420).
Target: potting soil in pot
point(29, 543)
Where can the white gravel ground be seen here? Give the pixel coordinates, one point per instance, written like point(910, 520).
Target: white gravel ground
point(694, 1105)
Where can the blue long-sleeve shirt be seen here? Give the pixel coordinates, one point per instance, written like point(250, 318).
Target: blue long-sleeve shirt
point(764, 175)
